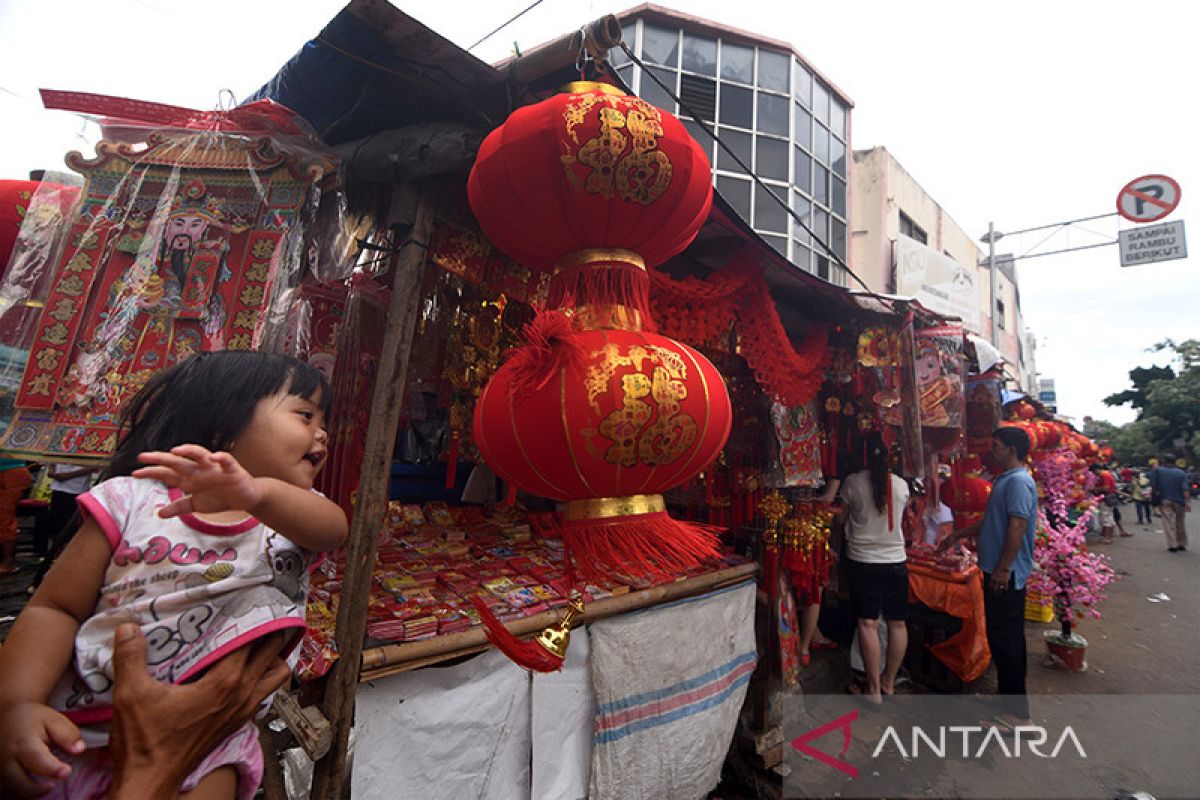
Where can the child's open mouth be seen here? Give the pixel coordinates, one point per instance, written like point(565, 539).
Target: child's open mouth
point(316, 458)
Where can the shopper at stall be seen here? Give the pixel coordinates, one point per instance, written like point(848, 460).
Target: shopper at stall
point(1171, 484)
point(1005, 550)
point(205, 546)
point(876, 566)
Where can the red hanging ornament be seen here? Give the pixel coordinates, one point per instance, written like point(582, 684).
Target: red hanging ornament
point(591, 177)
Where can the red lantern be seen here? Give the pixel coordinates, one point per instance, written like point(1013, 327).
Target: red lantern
point(607, 432)
point(966, 494)
point(590, 168)
point(593, 411)
point(1024, 410)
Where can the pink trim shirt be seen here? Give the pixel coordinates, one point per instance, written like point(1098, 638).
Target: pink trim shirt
point(198, 590)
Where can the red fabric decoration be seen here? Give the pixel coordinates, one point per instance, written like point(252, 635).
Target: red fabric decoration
point(591, 168)
point(702, 311)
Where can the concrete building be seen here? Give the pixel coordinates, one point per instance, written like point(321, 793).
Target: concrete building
point(786, 121)
point(902, 241)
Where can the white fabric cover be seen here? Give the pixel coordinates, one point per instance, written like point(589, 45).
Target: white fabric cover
point(451, 732)
point(669, 684)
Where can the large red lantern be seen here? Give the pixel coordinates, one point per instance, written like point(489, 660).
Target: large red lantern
point(966, 493)
point(595, 410)
point(606, 432)
point(588, 169)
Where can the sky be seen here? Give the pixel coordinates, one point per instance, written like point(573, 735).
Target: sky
point(1021, 114)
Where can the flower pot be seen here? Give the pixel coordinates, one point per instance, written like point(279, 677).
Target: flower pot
point(1067, 654)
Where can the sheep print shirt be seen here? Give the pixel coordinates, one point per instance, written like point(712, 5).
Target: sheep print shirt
point(199, 590)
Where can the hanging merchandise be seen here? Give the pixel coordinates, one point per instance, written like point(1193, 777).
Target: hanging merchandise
point(983, 412)
point(37, 227)
point(909, 432)
point(966, 493)
point(461, 248)
point(939, 370)
point(805, 547)
point(595, 410)
point(185, 231)
point(799, 437)
point(702, 311)
point(939, 365)
point(471, 358)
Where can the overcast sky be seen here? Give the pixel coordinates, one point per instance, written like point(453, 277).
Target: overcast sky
point(1022, 113)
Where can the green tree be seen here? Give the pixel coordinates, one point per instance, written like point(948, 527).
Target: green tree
point(1168, 403)
point(1141, 378)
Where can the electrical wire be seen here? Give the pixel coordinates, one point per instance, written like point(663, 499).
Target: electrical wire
point(532, 6)
point(757, 180)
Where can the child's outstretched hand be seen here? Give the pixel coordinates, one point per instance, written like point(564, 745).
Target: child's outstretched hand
point(211, 481)
point(27, 763)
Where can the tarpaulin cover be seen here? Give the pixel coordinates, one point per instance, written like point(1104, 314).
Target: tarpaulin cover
point(669, 684)
point(965, 653)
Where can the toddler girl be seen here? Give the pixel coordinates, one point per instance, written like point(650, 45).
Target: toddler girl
point(202, 535)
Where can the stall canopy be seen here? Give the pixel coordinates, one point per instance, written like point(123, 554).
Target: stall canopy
point(373, 68)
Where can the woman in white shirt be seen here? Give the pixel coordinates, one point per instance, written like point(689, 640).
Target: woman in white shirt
point(876, 569)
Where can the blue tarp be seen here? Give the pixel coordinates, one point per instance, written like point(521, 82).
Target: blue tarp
point(351, 81)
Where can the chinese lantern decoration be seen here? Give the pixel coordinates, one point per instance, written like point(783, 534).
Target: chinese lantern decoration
point(594, 185)
point(596, 410)
point(631, 416)
point(966, 494)
point(1024, 410)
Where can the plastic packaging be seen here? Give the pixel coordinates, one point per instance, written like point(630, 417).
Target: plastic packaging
point(188, 234)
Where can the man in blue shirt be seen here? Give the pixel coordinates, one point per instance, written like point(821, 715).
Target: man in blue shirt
point(1170, 483)
point(1005, 548)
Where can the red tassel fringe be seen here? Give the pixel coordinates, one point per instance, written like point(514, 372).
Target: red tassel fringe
point(527, 654)
point(645, 545)
point(550, 343)
point(606, 284)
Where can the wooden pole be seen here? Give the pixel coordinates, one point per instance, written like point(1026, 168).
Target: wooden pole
point(338, 705)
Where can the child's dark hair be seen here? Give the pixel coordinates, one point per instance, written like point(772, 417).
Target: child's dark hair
point(208, 399)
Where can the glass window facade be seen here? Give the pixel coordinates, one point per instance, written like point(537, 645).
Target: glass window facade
point(779, 119)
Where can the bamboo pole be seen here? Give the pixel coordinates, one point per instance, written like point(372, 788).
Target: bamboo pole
point(393, 658)
point(338, 705)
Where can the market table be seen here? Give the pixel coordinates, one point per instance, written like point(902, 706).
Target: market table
point(960, 595)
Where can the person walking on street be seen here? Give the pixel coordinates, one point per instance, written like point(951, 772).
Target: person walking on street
point(1170, 483)
point(1005, 548)
point(1139, 490)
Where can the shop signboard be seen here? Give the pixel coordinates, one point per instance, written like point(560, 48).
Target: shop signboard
point(937, 281)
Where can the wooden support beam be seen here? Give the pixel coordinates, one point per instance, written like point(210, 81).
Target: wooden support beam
point(371, 505)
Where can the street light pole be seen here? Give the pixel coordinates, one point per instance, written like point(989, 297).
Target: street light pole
point(991, 237)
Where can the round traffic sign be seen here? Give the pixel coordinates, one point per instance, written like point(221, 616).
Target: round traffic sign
point(1148, 198)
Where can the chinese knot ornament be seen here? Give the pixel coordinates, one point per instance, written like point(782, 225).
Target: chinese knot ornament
point(596, 410)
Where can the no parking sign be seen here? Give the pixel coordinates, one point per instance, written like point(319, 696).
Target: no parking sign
point(1148, 198)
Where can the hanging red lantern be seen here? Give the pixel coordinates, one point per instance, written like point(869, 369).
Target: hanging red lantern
point(608, 432)
point(595, 410)
point(591, 177)
point(1024, 410)
point(966, 494)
